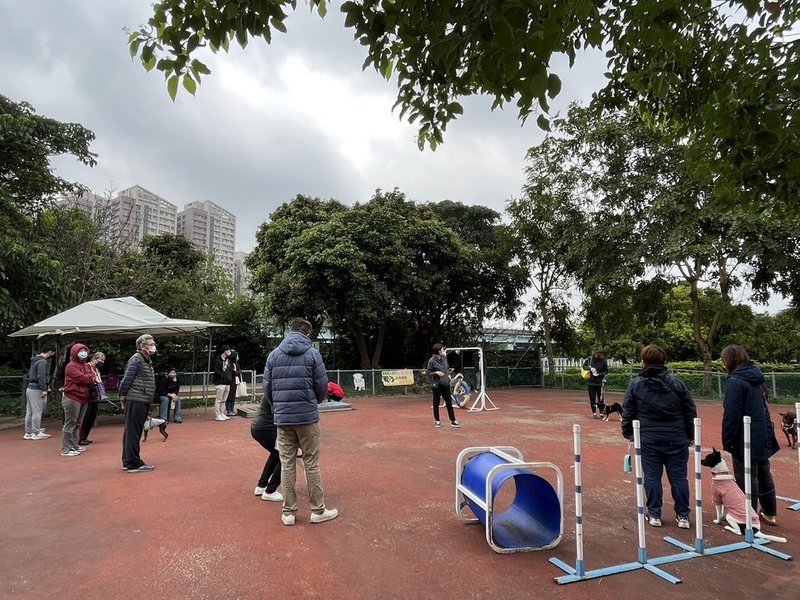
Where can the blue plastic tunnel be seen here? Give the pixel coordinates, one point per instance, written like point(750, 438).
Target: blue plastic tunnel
point(534, 518)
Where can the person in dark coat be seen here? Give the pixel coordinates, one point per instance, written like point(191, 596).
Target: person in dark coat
point(235, 376)
point(295, 383)
point(597, 365)
point(136, 392)
point(439, 372)
point(89, 419)
point(36, 392)
point(666, 412)
point(167, 392)
point(746, 395)
point(263, 431)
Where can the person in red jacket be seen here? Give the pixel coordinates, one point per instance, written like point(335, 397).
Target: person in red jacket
point(78, 377)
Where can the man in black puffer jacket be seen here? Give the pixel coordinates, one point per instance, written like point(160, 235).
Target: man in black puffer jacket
point(666, 412)
point(295, 382)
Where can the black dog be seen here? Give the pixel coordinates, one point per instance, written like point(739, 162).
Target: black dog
point(609, 409)
point(789, 427)
point(150, 423)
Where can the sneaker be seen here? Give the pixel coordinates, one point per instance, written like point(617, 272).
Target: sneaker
point(27, 436)
point(259, 491)
point(655, 522)
point(79, 449)
point(326, 515)
point(71, 453)
point(42, 430)
point(437, 424)
point(142, 469)
point(39, 436)
point(683, 522)
point(220, 418)
point(288, 520)
point(274, 496)
point(455, 424)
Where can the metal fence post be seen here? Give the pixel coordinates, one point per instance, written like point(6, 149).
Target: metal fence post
point(774, 386)
point(373, 381)
point(719, 385)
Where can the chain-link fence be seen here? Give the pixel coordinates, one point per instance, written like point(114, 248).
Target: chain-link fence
point(366, 382)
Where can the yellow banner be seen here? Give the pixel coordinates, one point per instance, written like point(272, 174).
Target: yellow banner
point(398, 377)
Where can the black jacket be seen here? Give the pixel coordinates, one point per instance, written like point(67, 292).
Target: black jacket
point(221, 375)
point(745, 396)
point(601, 366)
point(662, 404)
point(165, 386)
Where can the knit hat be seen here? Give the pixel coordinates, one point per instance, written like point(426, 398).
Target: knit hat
point(720, 467)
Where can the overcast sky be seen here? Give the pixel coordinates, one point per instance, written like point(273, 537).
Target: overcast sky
point(298, 116)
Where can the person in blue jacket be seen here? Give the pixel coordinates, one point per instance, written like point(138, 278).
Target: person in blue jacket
point(745, 395)
point(666, 412)
point(295, 383)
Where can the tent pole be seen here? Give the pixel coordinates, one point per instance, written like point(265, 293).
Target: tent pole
point(205, 375)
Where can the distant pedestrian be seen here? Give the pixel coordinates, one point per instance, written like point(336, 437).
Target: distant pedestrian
point(36, 392)
point(222, 382)
point(597, 366)
point(235, 374)
point(168, 390)
point(78, 377)
point(439, 371)
point(88, 421)
point(295, 383)
point(136, 392)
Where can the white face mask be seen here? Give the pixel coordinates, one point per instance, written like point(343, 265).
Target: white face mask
point(83, 354)
point(151, 349)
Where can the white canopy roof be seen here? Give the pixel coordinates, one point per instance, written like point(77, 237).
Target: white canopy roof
point(114, 317)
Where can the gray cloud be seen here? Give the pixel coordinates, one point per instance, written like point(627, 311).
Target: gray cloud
point(69, 59)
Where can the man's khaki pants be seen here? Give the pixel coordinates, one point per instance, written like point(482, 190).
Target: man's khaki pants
point(219, 400)
point(305, 437)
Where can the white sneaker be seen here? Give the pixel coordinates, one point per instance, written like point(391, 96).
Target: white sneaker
point(259, 490)
point(71, 453)
point(274, 496)
point(655, 522)
point(80, 449)
point(287, 520)
point(28, 436)
point(39, 436)
point(327, 515)
point(683, 522)
point(220, 418)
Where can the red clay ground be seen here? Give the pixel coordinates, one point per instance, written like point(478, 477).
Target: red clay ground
point(82, 528)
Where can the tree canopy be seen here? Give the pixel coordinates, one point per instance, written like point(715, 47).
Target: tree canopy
point(722, 74)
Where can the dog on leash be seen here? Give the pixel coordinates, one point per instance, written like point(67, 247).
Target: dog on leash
point(730, 501)
point(789, 427)
point(610, 409)
point(152, 423)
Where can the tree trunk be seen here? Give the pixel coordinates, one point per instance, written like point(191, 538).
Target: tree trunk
point(376, 355)
point(358, 337)
point(546, 329)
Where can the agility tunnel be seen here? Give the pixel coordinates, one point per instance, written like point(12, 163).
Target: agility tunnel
point(534, 520)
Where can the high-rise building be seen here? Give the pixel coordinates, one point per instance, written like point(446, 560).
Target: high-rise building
point(137, 212)
point(241, 274)
point(92, 204)
point(212, 229)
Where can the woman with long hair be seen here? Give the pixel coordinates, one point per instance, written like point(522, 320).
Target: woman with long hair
point(95, 362)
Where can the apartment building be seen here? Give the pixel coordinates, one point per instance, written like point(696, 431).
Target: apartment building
point(93, 205)
point(212, 229)
point(137, 212)
point(241, 274)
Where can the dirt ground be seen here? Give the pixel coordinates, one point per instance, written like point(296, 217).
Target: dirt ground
point(82, 528)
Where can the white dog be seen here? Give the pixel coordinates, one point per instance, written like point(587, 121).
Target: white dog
point(358, 382)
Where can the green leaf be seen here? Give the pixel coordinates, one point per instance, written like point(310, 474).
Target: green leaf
point(172, 87)
point(189, 84)
point(134, 47)
point(553, 85)
point(278, 25)
point(200, 67)
point(151, 62)
point(387, 69)
point(543, 122)
point(322, 9)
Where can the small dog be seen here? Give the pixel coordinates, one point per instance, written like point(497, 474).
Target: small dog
point(729, 501)
point(609, 409)
point(150, 423)
point(789, 427)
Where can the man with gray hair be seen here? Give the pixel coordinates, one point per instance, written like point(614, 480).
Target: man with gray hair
point(136, 392)
point(295, 383)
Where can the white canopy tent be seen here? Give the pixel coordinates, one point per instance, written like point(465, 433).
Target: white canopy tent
point(113, 317)
point(118, 317)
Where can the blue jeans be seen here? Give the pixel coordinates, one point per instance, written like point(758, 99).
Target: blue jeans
point(163, 409)
point(674, 457)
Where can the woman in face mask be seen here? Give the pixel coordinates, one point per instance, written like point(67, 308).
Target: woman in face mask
point(97, 360)
point(78, 376)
